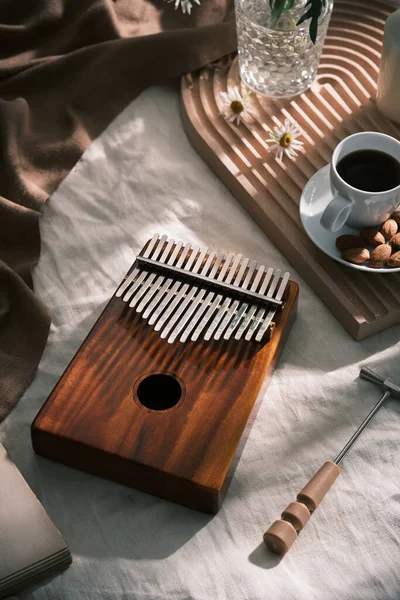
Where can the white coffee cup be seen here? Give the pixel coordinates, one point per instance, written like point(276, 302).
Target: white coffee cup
point(359, 208)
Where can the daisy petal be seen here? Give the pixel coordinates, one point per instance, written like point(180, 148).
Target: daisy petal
point(296, 147)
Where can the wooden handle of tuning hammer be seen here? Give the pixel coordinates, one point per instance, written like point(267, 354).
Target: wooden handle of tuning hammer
point(281, 535)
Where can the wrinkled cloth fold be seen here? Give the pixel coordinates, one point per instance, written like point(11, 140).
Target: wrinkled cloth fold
point(67, 69)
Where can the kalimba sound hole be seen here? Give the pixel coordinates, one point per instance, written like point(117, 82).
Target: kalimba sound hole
point(159, 392)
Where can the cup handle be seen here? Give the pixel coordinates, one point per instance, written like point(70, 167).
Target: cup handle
point(336, 213)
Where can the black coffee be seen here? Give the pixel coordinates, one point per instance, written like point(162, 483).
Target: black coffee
point(370, 170)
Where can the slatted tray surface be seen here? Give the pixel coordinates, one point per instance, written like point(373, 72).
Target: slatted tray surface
point(341, 102)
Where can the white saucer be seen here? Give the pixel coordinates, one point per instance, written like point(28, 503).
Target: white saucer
point(315, 197)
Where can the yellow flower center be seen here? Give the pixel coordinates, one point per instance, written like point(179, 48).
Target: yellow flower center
point(237, 107)
point(285, 140)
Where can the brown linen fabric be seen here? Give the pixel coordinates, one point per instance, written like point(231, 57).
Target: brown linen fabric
point(67, 68)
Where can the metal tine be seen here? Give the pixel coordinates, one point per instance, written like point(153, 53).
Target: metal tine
point(231, 313)
point(209, 298)
point(253, 309)
point(163, 308)
point(178, 298)
point(271, 313)
point(145, 286)
point(227, 306)
point(203, 306)
point(192, 300)
point(245, 307)
point(134, 273)
point(159, 281)
point(171, 292)
point(218, 299)
point(142, 275)
point(167, 283)
point(261, 311)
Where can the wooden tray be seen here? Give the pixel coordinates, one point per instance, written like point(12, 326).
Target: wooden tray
point(94, 419)
point(340, 103)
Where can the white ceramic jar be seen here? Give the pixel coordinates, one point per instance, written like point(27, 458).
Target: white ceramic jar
point(388, 93)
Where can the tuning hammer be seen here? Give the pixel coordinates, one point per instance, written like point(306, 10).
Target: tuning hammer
point(281, 535)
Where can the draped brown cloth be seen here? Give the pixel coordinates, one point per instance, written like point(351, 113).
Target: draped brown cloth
point(67, 68)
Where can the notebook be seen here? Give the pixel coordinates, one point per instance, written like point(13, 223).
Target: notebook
point(31, 547)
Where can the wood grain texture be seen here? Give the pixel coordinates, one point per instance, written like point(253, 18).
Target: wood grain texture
point(341, 102)
point(93, 420)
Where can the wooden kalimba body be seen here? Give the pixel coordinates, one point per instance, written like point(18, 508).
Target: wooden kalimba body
point(159, 394)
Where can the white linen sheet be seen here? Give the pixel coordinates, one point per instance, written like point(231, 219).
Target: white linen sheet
point(142, 176)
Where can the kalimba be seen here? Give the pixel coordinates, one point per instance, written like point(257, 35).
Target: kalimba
point(159, 393)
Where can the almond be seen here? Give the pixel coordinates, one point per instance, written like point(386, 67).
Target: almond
point(372, 236)
point(396, 217)
point(394, 260)
point(379, 256)
point(389, 229)
point(395, 242)
point(356, 255)
point(344, 242)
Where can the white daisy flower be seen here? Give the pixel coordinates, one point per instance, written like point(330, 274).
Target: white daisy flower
point(186, 5)
point(284, 140)
point(234, 106)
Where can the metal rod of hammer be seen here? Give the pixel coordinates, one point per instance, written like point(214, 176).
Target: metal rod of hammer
point(281, 535)
point(370, 375)
point(359, 431)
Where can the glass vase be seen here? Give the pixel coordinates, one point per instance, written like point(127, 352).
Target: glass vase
point(278, 60)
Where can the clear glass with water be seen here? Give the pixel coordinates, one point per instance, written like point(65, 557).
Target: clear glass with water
point(279, 61)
